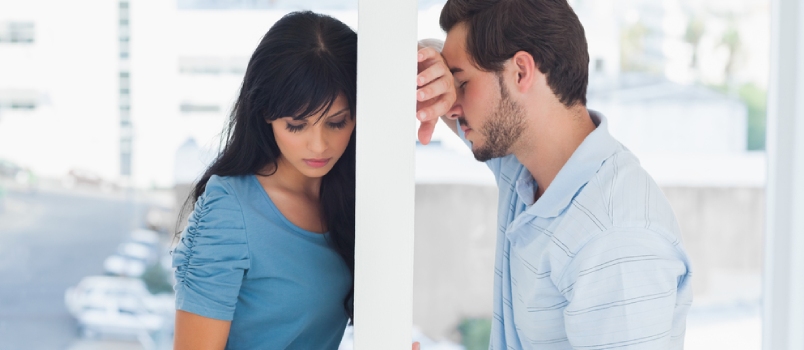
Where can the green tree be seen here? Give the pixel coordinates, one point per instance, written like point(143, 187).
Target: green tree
point(696, 28)
point(475, 333)
point(632, 45)
point(731, 40)
point(156, 279)
point(755, 98)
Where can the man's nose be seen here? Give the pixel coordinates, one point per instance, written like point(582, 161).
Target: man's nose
point(454, 112)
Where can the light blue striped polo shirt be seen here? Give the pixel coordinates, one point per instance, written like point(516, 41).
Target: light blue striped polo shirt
point(595, 263)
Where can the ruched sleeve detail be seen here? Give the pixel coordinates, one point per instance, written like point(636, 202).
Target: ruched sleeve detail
point(213, 256)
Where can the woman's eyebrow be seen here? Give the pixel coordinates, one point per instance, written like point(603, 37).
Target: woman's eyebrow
point(338, 113)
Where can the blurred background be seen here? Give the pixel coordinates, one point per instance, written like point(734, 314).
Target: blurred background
point(109, 110)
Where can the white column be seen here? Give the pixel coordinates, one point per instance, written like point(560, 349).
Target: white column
point(783, 319)
point(386, 109)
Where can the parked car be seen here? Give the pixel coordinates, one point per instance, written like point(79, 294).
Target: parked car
point(133, 256)
point(83, 178)
point(146, 237)
point(129, 292)
point(121, 265)
point(117, 306)
point(17, 177)
point(8, 169)
point(103, 290)
point(114, 320)
point(161, 219)
point(138, 250)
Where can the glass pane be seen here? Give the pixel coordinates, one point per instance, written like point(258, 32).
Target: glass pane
point(92, 178)
point(683, 86)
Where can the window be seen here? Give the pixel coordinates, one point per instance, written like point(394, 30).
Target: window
point(26, 105)
point(194, 107)
point(21, 100)
point(208, 65)
point(227, 4)
point(125, 160)
point(17, 32)
point(124, 83)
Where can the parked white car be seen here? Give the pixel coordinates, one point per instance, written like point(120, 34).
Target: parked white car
point(136, 250)
point(120, 265)
point(132, 257)
point(145, 236)
point(127, 293)
point(119, 306)
point(114, 320)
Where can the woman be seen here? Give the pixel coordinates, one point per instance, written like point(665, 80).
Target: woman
point(267, 258)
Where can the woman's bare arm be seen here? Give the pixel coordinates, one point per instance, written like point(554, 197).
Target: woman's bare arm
point(194, 332)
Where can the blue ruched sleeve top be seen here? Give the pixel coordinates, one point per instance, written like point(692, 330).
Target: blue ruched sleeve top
point(241, 260)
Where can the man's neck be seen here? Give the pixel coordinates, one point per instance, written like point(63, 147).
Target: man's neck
point(549, 142)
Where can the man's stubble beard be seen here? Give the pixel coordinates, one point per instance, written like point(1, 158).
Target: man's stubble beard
point(502, 129)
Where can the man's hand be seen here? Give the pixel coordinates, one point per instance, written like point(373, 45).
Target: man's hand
point(435, 91)
point(415, 345)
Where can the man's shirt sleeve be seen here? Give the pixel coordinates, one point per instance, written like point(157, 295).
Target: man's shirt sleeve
point(624, 288)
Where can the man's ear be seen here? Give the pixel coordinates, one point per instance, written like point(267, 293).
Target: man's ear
point(527, 73)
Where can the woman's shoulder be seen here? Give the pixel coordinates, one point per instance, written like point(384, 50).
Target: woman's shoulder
point(233, 185)
point(223, 192)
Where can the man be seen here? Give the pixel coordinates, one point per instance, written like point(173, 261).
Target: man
point(589, 254)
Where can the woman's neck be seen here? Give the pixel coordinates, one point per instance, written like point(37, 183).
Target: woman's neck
point(288, 178)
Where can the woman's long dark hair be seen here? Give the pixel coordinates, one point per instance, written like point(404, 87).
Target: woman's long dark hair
point(299, 68)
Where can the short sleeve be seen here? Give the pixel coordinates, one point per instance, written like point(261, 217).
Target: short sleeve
point(626, 289)
point(212, 256)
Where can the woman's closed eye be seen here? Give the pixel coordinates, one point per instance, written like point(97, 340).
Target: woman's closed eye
point(337, 124)
point(295, 126)
point(299, 126)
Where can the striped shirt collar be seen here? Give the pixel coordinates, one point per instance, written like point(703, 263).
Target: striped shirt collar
point(584, 163)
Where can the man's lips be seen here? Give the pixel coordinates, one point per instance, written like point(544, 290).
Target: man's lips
point(316, 162)
point(464, 125)
point(465, 129)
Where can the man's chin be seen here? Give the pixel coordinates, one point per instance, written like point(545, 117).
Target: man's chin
point(481, 155)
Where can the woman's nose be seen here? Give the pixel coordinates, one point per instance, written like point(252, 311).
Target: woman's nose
point(318, 140)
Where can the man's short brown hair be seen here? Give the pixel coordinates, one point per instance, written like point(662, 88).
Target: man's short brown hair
point(547, 29)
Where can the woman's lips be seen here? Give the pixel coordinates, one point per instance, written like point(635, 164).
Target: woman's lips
point(317, 162)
